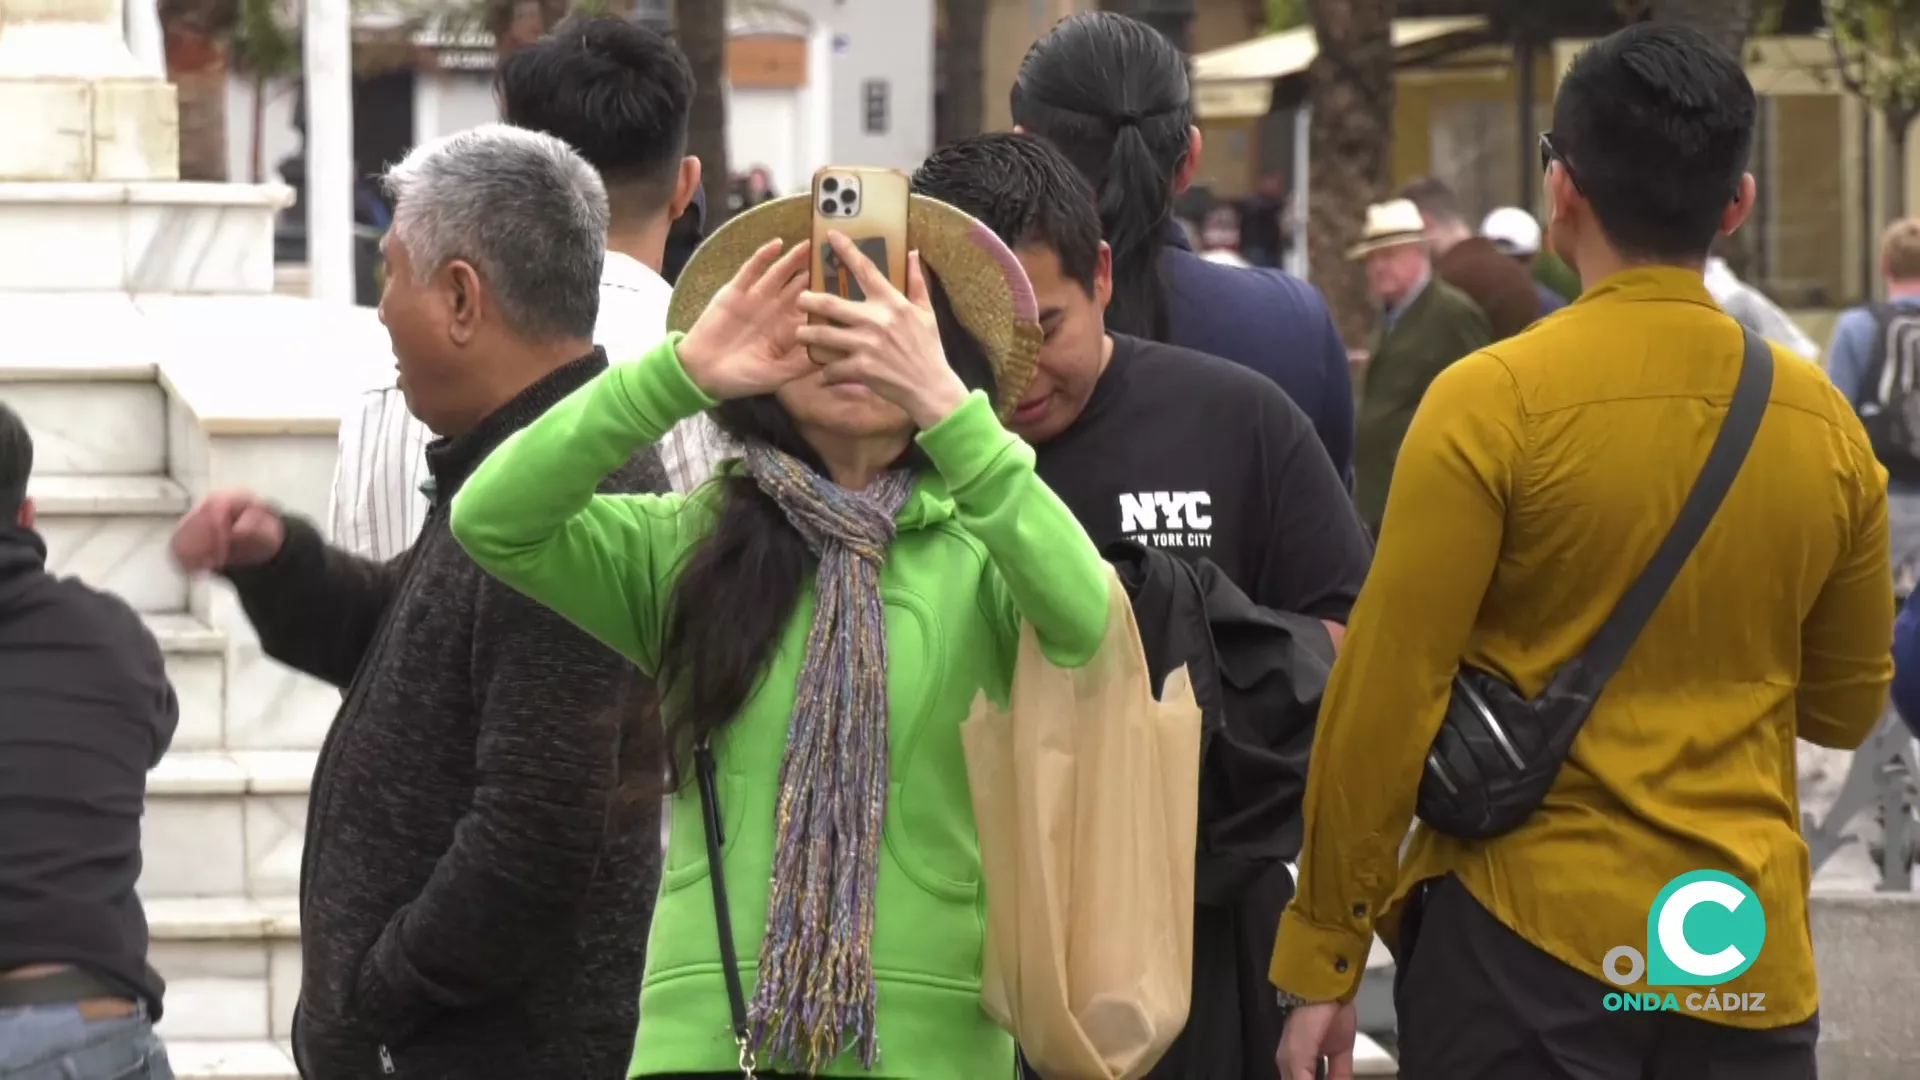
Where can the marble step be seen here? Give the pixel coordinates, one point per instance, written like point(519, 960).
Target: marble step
point(113, 532)
point(225, 824)
point(231, 1059)
point(196, 656)
point(87, 416)
point(139, 238)
point(232, 967)
point(1371, 1059)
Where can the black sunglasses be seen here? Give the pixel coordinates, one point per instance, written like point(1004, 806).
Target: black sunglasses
point(1550, 153)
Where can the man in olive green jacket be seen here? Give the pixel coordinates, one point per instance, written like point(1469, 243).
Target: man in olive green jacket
point(1425, 324)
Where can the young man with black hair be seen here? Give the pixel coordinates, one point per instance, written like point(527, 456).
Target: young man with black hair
point(1538, 479)
point(85, 711)
point(1145, 440)
point(1155, 443)
point(619, 94)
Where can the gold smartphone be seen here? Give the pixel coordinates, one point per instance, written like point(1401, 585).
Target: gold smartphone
point(869, 207)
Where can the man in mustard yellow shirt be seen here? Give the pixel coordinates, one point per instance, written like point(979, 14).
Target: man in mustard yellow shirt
point(1534, 484)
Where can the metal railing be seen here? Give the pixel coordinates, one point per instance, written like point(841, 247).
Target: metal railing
point(1880, 780)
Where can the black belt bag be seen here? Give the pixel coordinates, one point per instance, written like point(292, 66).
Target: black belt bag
point(1498, 753)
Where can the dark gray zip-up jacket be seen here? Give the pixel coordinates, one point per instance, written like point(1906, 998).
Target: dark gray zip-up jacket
point(471, 905)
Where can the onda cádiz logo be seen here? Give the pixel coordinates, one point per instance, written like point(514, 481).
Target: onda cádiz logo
point(1705, 928)
point(1168, 519)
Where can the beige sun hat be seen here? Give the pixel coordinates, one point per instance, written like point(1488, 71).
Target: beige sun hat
point(984, 282)
point(1390, 224)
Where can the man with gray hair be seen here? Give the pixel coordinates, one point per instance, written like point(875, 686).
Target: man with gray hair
point(619, 94)
point(466, 909)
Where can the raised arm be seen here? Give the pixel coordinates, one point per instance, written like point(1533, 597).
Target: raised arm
point(530, 515)
point(1045, 568)
point(315, 606)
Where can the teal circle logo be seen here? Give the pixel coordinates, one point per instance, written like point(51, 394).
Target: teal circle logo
point(1705, 927)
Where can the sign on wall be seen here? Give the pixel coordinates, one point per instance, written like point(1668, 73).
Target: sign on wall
point(873, 93)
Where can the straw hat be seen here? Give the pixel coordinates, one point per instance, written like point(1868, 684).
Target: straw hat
point(1390, 224)
point(989, 291)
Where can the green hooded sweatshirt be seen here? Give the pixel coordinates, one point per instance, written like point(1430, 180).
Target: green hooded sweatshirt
point(982, 546)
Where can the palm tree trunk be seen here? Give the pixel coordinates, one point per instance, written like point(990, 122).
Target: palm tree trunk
point(1899, 126)
point(198, 37)
point(1351, 87)
point(701, 27)
point(257, 129)
point(963, 98)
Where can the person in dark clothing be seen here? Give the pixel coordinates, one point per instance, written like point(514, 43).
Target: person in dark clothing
point(471, 903)
point(1263, 227)
point(684, 236)
point(1180, 451)
point(85, 711)
point(1112, 94)
point(1475, 265)
point(1906, 662)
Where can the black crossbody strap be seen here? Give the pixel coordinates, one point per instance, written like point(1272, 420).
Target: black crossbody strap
point(705, 774)
point(1588, 672)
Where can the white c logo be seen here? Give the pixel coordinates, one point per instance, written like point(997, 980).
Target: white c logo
point(1673, 928)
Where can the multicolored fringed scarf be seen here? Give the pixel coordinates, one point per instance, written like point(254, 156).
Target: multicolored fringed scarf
point(815, 992)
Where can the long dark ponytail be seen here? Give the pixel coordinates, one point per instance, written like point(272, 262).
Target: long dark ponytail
point(1112, 93)
point(740, 586)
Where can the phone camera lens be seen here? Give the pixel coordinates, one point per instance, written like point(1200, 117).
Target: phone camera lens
point(829, 185)
point(829, 207)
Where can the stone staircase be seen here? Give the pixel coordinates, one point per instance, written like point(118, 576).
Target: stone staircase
point(227, 804)
point(245, 392)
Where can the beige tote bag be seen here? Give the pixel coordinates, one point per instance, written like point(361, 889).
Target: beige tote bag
point(1086, 792)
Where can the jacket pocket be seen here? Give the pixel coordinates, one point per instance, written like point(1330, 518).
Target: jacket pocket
point(326, 1047)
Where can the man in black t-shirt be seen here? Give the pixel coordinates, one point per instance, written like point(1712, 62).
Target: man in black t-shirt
point(1145, 441)
point(1181, 451)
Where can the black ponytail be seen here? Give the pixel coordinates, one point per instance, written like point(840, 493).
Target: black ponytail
point(1112, 94)
point(739, 588)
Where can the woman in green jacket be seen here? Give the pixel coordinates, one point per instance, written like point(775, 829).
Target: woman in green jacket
point(823, 616)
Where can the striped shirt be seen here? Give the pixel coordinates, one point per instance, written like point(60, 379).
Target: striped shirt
point(378, 507)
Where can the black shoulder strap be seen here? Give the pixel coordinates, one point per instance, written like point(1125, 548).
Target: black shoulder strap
point(1868, 390)
point(1607, 650)
point(704, 773)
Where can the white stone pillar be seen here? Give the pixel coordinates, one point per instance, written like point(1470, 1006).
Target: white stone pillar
point(144, 37)
point(78, 106)
point(330, 168)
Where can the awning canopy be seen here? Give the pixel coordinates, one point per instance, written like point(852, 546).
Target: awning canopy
point(1236, 82)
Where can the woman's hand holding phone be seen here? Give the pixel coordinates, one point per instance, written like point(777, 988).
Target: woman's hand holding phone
point(744, 343)
point(888, 342)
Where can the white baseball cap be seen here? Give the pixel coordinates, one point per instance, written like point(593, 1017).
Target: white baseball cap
point(1512, 230)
